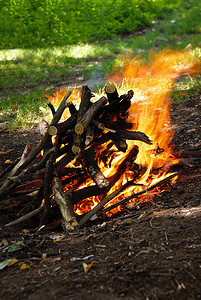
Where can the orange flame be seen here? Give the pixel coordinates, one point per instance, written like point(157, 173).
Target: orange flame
point(149, 113)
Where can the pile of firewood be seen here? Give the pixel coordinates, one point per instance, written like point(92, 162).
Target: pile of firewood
point(77, 139)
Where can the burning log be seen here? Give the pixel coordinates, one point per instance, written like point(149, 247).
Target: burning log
point(99, 206)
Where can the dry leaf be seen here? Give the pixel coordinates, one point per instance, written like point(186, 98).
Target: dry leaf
point(24, 266)
point(12, 262)
point(57, 237)
point(5, 242)
point(8, 161)
point(87, 267)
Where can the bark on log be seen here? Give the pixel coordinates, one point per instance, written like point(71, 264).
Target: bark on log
point(124, 135)
point(72, 108)
point(63, 127)
point(121, 104)
point(133, 135)
point(43, 127)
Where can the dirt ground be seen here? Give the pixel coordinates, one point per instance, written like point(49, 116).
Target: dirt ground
point(140, 254)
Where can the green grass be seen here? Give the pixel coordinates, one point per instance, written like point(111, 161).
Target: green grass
point(26, 74)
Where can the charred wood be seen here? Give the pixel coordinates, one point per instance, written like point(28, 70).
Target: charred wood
point(99, 206)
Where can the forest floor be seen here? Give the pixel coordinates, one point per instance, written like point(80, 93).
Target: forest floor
point(139, 254)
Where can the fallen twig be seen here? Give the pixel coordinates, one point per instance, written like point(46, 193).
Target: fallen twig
point(27, 216)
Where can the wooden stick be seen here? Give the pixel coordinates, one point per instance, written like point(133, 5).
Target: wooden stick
point(102, 126)
point(62, 128)
point(133, 135)
point(71, 108)
point(9, 167)
point(179, 212)
point(89, 135)
point(63, 200)
point(51, 106)
point(136, 195)
point(61, 109)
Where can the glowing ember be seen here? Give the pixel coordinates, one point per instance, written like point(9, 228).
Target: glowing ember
point(149, 113)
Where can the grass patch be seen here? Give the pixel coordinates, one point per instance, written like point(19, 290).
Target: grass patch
point(27, 73)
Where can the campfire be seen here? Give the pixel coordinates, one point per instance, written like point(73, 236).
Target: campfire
point(102, 152)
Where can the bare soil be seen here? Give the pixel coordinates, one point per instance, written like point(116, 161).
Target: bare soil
point(140, 254)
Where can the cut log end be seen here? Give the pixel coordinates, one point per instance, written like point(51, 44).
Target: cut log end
point(52, 130)
point(111, 92)
point(110, 88)
point(79, 129)
point(76, 150)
